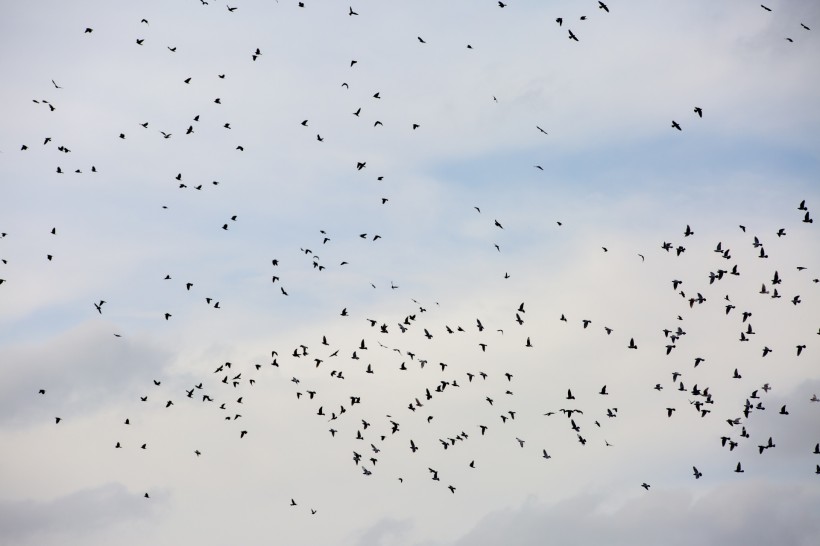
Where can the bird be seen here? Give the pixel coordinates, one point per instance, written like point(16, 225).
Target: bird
point(676, 125)
point(697, 473)
point(571, 35)
point(699, 111)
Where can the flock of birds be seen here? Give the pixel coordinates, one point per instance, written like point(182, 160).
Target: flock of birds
point(396, 344)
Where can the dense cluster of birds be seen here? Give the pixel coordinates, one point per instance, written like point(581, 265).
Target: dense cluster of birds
point(398, 344)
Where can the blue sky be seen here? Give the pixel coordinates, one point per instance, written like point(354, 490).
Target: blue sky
point(619, 179)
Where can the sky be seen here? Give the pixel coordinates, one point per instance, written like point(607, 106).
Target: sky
point(306, 261)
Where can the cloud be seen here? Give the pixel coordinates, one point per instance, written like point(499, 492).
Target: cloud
point(81, 369)
point(386, 532)
point(754, 513)
point(75, 516)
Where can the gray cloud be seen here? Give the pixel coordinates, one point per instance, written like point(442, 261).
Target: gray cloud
point(753, 513)
point(76, 516)
point(384, 532)
point(82, 369)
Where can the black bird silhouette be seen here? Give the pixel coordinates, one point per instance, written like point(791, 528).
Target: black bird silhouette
point(571, 35)
point(676, 125)
point(699, 111)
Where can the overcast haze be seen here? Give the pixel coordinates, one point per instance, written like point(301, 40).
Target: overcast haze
point(410, 221)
